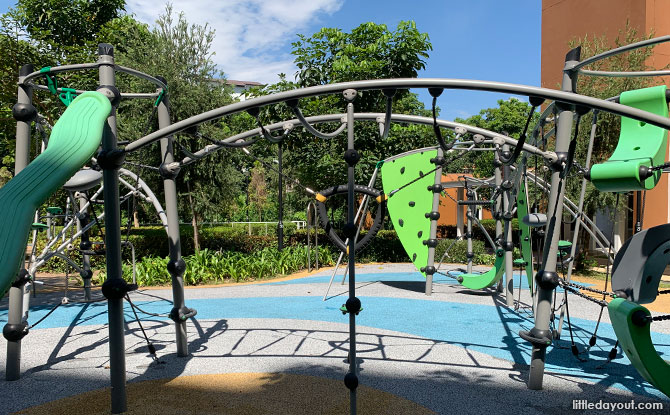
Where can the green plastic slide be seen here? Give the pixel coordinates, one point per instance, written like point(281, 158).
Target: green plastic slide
point(640, 145)
point(407, 208)
point(74, 139)
point(633, 332)
point(487, 279)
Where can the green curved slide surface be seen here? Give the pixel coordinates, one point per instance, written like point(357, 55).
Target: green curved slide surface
point(407, 208)
point(639, 145)
point(487, 279)
point(74, 139)
point(636, 342)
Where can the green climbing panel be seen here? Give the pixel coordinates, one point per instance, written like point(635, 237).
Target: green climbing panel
point(490, 277)
point(524, 232)
point(636, 342)
point(74, 139)
point(407, 208)
point(639, 145)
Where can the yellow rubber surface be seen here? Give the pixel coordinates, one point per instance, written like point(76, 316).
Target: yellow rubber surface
point(235, 393)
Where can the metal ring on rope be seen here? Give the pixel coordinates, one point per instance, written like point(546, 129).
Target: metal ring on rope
point(375, 194)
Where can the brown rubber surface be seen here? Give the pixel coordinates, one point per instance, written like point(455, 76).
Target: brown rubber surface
point(235, 393)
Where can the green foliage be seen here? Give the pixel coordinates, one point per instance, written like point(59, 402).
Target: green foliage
point(211, 267)
point(457, 252)
point(510, 117)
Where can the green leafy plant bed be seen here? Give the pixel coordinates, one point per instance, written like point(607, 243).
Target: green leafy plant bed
point(212, 267)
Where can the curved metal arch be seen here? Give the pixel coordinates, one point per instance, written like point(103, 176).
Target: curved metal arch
point(366, 116)
point(617, 51)
point(404, 83)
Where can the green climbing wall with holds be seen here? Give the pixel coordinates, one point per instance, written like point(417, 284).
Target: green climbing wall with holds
point(524, 232)
point(640, 146)
point(407, 207)
point(632, 328)
point(488, 278)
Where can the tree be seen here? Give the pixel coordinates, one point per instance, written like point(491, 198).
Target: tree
point(258, 190)
point(331, 55)
point(181, 53)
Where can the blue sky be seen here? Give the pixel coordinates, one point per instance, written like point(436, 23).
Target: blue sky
point(476, 39)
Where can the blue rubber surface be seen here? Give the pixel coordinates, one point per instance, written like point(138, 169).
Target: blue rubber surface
point(449, 322)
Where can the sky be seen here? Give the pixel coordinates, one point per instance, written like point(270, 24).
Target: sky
point(476, 39)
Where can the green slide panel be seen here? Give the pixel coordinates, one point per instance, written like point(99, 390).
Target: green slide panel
point(490, 277)
point(74, 139)
point(635, 340)
point(407, 208)
point(524, 232)
point(640, 145)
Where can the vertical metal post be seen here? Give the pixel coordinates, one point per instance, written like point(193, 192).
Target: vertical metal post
point(540, 335)
point(459, 213)
point(470, 253)
point(434, 215)
point(507, 243)
point(20, 289)
point(499, 205)
point(176, 266)
point(110, 176)
point(85, 245)
point(353, 304)
point(280, 199)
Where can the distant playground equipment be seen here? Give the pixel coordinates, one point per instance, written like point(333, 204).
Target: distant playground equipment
point(412, 185)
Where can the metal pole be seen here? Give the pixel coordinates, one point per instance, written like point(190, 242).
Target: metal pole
point(85, 245)
point(547, 279)
point(507, 244)
point(499, 205)
point(21, 287)
point(353, 304)
point(280, 199)
point(434, 215)
point(176, 267)
point(110, 176)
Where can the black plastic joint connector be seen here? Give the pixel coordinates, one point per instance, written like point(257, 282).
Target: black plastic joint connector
point(468, 235)
point(470, 255)
point(15, 332)
point(116, 288)
point(507, 184)
point(496, 215)
point(497, 163)
point(111, 159)
point(508, 216)
point(179, 315)
point(176, 267)
point(168, 171)
point(645, 172)
point(438, 161)
point(86, 274)
point(640, 318)
point(112, 93)
point(470, 193)
point(353, 305)
point(24, 112)
point(429, 270)
point(350, 229)
point(546, 280)
point(105, 49)
point(351, 381)
point(561, 160)
point(508, 246)
point(352, 157)
point(436, 188)
point(431, 243)
point(433, 215)
point(538, 338)
point(85, 245)
point(22, 279)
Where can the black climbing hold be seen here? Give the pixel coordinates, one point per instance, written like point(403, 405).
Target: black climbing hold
point(421, 173)
point(433, 215)
point(402, 170)
point(411, 204)
point(401, 222)
point(431, 243)
point(419, 234)
point(413, 257)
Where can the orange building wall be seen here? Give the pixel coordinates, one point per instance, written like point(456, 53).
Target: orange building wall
point(565, 20)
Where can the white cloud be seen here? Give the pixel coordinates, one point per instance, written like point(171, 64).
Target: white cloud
point(252, 36)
